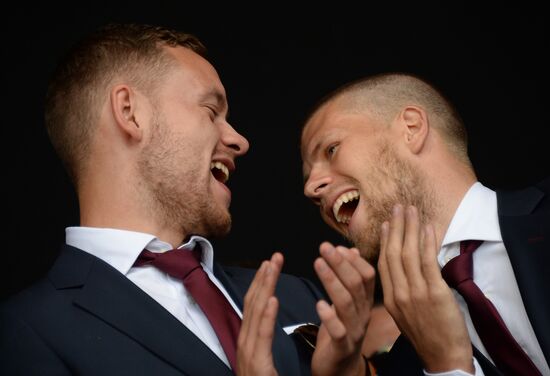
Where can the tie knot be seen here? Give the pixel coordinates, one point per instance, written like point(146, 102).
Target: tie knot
point(178, 263)
point(461, 268)
point(469, 246)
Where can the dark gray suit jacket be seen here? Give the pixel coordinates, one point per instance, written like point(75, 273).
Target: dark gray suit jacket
point(86, 318)
point(524, 218)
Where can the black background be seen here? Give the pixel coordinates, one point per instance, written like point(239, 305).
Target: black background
point(275, 63)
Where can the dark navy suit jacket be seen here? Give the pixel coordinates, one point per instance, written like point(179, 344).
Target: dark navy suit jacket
point(86, 318)
point(524, 218)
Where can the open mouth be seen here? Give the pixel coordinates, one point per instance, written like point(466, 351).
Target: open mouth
point(220, 171)
point(345, 206)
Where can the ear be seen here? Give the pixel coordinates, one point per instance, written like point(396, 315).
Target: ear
point(123, 106)
point(415, 126)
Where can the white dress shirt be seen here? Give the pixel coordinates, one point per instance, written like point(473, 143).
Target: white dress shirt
point(120, 249)
point(477, 218)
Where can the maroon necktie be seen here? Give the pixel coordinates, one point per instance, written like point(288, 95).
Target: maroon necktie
point(508, 356)
point(185, 265)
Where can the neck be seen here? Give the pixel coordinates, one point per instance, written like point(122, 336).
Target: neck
point(114, 202)
point(454, 183)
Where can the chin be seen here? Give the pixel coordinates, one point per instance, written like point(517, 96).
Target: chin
point(218, 226)
point(368, 248)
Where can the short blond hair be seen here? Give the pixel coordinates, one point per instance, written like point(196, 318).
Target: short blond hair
point(76, 89)
point(384, 95)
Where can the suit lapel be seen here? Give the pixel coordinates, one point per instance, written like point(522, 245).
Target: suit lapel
point(525, 232)
point(111, 297)
point(236, 292)
point(285, 356)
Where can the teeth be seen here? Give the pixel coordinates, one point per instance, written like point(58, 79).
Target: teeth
point(344, 198)
point(223, 168)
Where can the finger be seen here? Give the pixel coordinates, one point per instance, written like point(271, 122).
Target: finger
point(340, 296)
point(410, 254)
point(346, 273)
point(248, 309)
point(263, 293)
point(266, 328)
point(255, 285)
point(335, 328)
point(365, 270)
point(261, 289)
point(385, 280)
point(277, 259)
point(362, 266)
point(430, 267)
point(393, 252)
point(249, 358)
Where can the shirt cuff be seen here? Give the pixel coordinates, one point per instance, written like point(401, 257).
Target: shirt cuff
point(457, 372)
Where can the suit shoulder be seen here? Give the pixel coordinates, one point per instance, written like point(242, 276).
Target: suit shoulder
point(525, 201)
point(24, 347)
point(21, 308)
point(544, 185)
point(33, 294)
point(33, 304)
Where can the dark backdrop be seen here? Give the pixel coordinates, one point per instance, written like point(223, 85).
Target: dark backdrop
point(276, 62)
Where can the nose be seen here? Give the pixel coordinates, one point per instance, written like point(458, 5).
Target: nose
point(316, 184)
point(234, 140)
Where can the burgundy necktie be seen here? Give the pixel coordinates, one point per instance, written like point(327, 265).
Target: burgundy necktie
point(185, 265)
point(508, 356)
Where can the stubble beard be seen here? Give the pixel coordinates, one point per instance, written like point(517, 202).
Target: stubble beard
point(392, 181)
point(178, 193)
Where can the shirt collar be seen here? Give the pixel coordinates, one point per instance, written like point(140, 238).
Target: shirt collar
point(207, 254)
point(475, 218)
point(121, 248)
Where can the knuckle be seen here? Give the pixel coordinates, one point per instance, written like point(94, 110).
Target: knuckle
point(389, 304)
point(355, 282)
point(406, 252)
point(438, 293)
point(401, 298)
point(341, 334)
point(369, 272)
point(346, 300)
point(418, 295)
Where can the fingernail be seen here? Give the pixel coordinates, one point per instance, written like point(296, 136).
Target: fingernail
point(396, 209)
point(385, 227)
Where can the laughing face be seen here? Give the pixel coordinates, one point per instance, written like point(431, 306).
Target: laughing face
point(191, 151)
point(353, 171)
